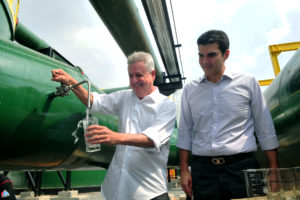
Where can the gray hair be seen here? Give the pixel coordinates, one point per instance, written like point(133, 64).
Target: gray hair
point(142, 56)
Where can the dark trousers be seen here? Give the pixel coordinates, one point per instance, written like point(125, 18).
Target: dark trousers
point(164, 196)
point(222, 181)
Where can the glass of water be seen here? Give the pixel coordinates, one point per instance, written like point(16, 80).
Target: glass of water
point(256, 183)
point(281, 183)
point(297, 181)
point(86, 123)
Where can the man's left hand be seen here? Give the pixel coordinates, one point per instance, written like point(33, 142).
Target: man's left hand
point(101, 134)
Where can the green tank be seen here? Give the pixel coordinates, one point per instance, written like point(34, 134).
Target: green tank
point(283, 99)
point(37, 127)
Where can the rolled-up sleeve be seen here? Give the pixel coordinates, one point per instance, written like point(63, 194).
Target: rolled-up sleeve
point(162, 127)
point(264, 127)
point(186, 124)
point(106, 103)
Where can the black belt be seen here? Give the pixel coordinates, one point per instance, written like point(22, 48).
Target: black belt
point(221, 160)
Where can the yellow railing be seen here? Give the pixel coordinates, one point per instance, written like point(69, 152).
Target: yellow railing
point(274, 51)
point(14, 9)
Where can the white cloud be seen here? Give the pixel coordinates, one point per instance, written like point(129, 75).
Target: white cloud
point(283, 7)
point(100, 56)
point(232, 6)
point(81, 37)
point(276, 34)
point(241, 63)
point(260, 49)
point(284, 26)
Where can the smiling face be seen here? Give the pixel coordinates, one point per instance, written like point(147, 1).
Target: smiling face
point(141, 81)
point(212, 61)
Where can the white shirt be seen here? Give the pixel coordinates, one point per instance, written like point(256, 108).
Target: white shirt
point(135, 172)
point(220, 118)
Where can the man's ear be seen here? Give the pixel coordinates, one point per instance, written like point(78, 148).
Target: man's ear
point(153, 73)
point(226, 54)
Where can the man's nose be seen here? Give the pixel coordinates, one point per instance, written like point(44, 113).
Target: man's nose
point(134, 79)
point(205, 59)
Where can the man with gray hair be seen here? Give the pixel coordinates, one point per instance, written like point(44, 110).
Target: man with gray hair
point(138, 169)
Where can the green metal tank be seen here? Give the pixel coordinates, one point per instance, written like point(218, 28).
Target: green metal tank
point(283, 99)
point(35, 126)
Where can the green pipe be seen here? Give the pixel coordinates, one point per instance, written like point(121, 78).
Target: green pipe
point(27, 38)
point(6, 22)
point(124, 23)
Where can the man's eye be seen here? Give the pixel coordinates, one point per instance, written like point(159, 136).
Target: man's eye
point(212, 55)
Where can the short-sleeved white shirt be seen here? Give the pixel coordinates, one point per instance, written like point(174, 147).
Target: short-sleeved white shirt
point(135, 172)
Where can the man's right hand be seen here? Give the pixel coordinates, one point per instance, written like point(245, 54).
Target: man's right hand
point(185, 174)
point(64, 78)
point(60, 75)
point(186, 182)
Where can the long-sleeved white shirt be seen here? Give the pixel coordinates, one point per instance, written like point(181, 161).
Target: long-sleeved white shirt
point(221, 118)
point(135, 172)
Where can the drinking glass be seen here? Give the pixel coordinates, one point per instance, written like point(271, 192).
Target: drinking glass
point(274, 184)
point(297, 181)
point(86, 123)
point(256, 183)
point(281, 184)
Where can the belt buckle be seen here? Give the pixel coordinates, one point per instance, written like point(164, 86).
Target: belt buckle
point(218, 161)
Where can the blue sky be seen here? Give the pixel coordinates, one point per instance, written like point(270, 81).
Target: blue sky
point(74, 29)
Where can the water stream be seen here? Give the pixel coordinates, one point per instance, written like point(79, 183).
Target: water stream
point(87, 112)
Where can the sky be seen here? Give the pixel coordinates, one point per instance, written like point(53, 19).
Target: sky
point(75, 30)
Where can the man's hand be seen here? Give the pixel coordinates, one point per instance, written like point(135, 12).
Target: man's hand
point(103, 135)
point(60, 75)
point(186, 182)
point(273, 180)
point(185, 174)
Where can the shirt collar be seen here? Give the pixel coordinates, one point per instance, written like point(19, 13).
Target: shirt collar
point(152, 96)
point(227, 74)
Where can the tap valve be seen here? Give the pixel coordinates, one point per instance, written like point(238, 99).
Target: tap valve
point(64, 90)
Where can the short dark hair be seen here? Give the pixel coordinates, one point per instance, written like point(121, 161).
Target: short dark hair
point(215, 36)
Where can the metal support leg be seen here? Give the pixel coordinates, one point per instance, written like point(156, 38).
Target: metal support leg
point(35, 183)
point(62, 179)
point(38, 181)
point(68, 180)
point(30, 179)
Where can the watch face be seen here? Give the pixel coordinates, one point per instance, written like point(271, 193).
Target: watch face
point(6, 190)
point(4, 194)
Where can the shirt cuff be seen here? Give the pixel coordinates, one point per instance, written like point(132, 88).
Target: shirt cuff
point(269, 143)
point(184, 144)
point(149, 132)
point(94, 106)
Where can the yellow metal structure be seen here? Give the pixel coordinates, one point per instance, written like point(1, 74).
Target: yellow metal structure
point(265, 82)
point(274, 51)
point(14, 9)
